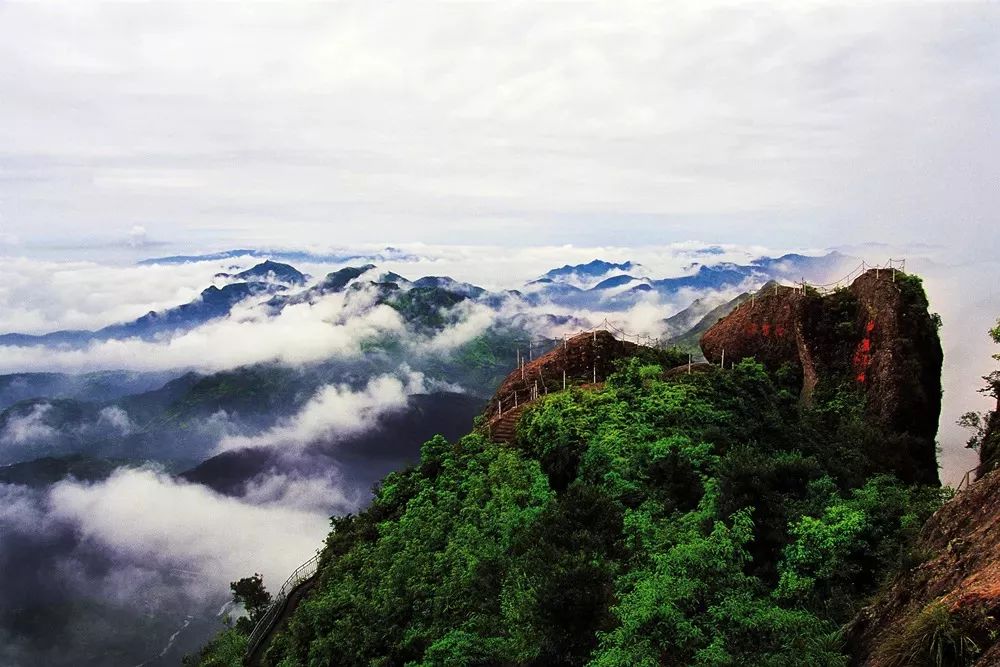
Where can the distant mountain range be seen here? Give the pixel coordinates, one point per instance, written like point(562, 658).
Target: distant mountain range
point(269, 271)
point(386, 254)
point(213, 303)
point(594, 286)
point(619, 286)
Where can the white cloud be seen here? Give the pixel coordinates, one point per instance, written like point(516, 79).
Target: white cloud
point(137, 236)
point(28, 429)
point(38, 296)
point(156, 521)
point(116, 420)
point(334, 326)
point(320, 493)
point(511, 124)
point(335, 410)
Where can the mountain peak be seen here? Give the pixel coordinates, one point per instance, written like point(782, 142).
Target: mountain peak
point(593, 268)
point(274, 272)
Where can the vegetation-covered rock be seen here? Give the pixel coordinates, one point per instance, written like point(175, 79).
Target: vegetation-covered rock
point(875, 337)
point(657, 518)
point(689, 521)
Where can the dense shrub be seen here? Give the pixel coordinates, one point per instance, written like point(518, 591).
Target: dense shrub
point(701, 520)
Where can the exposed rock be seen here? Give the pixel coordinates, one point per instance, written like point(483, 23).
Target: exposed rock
point(876, 335)
point(691, 323)
point(989, 449)
point(961, 543)
point(585, 358)
point(766, 327)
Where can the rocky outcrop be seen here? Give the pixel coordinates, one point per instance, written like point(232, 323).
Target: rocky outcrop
point(954, 591)
point(767, 327)
point(582, 359)
point(989, 448)
point(876, 336)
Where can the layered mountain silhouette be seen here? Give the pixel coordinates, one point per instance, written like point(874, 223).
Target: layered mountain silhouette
point(269, 271)
point(620, 286)
point(595, 285)
point(213, 302)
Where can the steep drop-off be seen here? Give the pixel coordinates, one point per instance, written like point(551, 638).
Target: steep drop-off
point(951, 597)
point(653, 518)
point(876, 337)
point(989, 452)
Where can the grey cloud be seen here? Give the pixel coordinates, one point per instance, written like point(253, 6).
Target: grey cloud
point(513, 124)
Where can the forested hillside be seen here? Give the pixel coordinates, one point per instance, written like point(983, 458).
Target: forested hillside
point(656, 519)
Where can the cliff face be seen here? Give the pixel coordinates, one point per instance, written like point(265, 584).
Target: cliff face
point(876, 336)
point(955, 591)
point(768, 328)
point(989, 452)
point(584, 358)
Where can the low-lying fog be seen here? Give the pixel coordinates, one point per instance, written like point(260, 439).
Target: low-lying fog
point(184, 460)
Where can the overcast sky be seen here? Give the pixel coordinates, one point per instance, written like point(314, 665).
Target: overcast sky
point(210, 124)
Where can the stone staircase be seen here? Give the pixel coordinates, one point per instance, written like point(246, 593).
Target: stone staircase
point(503, 428)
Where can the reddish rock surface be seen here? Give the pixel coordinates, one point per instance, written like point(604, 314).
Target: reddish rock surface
point(768, 328)
point(583, 358)
point(962, 572)
point(876, 334)
point(989, 453)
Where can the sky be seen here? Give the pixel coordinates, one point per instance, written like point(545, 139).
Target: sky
point(202, 125)
point(492, 141)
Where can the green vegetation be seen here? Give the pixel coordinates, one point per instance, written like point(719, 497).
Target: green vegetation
point(226, 650)
point(48, 470)
point(252, 389)
point(249, 592)
point(985, 426)
point(936, 637)
point(426, 307)
point(705, 519)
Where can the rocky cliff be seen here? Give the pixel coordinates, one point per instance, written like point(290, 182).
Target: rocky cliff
point(875, 337)
point(581, 359)
point(989, 452)
point(947, 604)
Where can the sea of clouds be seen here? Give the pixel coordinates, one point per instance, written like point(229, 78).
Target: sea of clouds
point(146, 540)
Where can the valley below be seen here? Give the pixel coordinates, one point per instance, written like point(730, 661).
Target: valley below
point(146, 464)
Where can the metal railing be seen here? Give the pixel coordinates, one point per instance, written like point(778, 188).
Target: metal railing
point(967, 480)
point(985, 467)
point(534, 380)
point(891, 267)
point(266, 622)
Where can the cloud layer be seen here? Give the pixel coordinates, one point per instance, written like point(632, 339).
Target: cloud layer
point(335, 410)
point(112, 568)
point(509, 124)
